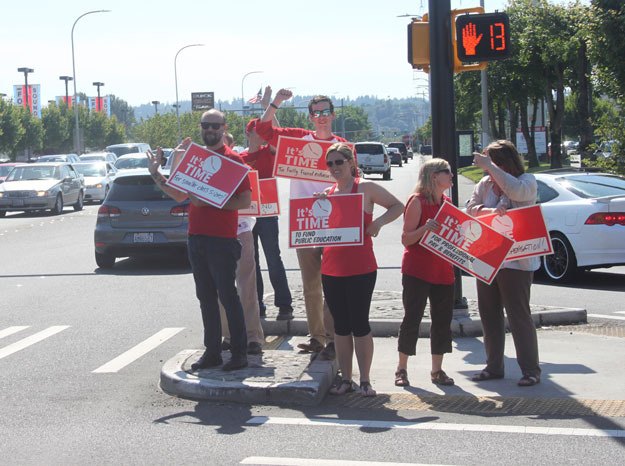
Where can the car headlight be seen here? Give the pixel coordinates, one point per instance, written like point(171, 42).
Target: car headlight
point(42, 193)
point(1, 194)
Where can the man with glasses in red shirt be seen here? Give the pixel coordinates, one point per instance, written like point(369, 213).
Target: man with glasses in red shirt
point(213, 249)
point(321, 114)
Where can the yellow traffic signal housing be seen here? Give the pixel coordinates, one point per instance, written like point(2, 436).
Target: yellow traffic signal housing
point(419, 45)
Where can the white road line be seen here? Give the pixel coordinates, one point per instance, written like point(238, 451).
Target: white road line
point(276, 461)
point(438, 426)
point(31, 340)
point(619, 312)
point(136, 352)
point(11, 330)
point(603, 316)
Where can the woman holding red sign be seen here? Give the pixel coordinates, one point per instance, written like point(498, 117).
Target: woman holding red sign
point(348, 273)
point(425, 275)
point(506, 186)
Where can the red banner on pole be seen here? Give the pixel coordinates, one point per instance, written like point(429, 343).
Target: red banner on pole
point(329, 221)
point(467, 243)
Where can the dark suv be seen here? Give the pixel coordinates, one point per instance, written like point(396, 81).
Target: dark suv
point(403, 150)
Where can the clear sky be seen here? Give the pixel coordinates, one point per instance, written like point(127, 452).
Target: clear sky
point(343, 48)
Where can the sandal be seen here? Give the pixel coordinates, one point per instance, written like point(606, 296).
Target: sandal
point(401, 378)
point(440, 378)
point(485, 375)
point(528, 381)
point(366, 389)
point(343, 387)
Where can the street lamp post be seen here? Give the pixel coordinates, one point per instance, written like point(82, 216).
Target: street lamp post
point(242, 93)
point(155, 103)
point(26, 71)
point(74, 103)
point(66, 79)
point(98, 107)
point(176, 81)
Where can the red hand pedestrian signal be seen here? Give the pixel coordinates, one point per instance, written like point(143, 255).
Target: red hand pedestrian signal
point(470, 39)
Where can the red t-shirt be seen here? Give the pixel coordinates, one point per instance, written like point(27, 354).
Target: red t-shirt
point(261, 160)
point(211, 221)
point(346, 261)
point(419, 262)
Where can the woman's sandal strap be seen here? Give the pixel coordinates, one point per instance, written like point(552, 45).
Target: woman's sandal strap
point(401, 378)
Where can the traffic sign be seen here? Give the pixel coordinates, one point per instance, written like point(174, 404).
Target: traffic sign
point(482, 37)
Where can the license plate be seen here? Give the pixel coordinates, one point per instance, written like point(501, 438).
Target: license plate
point(143, 238)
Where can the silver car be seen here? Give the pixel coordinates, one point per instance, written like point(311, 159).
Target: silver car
point(98, 178)
point(137, 218)
point(42, 186)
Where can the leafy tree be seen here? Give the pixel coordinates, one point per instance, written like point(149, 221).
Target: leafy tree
point(57, 126)
point(123, 112)
point(32, 141)
point(352, 123)
point(11, 129)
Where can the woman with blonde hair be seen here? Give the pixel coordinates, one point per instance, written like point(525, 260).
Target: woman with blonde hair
point(348, 273)
point(425, 275)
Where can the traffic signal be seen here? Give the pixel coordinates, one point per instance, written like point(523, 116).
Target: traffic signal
point(419, 44)
point(482, 37)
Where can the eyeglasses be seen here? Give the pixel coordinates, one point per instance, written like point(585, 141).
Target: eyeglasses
point(206, 125)
point(319, 113)
point(444, 170)
point(338, 163)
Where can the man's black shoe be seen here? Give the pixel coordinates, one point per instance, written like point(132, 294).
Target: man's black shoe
point(285, 313)
point(236, 362)
point(254, 348)
point(206, 361)
point(225, 345)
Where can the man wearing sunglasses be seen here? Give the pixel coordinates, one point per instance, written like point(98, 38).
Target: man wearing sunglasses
point(321, 115)
point(213, 249)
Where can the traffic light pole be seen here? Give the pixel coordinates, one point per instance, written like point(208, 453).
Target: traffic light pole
point(442, 107)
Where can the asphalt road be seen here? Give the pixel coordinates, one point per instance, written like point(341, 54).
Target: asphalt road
point(81, 350)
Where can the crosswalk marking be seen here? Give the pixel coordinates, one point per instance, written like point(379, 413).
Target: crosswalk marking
point(372, 424)
point(11, 330)
point(137, 351)
point(277, 461)
point(603, 316)
point(31, 340)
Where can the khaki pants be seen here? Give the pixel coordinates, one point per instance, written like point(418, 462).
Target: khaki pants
point(246, 287)
point(320, 322)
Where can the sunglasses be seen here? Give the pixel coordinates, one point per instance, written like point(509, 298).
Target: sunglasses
point(338, 163)
point(319, 113)
point(206, 125)
point(444, 170)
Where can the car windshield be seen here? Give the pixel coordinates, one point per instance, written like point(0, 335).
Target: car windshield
point(5, 169)
point(131, 162)
point(52, 158)
point(589, 186)
point(369, 149)
point(90, 169)
point(135, 188)
point(35, 173)
point(89, 158)
point(122, 150)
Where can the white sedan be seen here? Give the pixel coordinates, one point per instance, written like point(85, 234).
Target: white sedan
point(585, 214)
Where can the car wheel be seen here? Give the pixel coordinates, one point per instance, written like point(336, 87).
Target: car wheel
point(80, 202)
point(104, 261)
point(561, 266)
point(3, 213)
point(387, 174)
point(58, 205)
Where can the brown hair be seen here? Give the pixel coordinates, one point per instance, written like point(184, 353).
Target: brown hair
point(317, 100)
point(505, 156)
point(347, 154)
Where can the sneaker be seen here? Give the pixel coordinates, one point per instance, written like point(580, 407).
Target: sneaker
point(328, 353)
point(206, 361)
point(285, 313)
point(225, 345)
point(236, 362)
point(254, 348)
point(313, 346)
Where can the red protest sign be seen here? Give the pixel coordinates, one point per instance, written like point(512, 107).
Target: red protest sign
point(254, 208)
point(208, 175)
point(269, 201)
point(467, 243)
point(302, 159)
point(526, 227)
point(329, 221)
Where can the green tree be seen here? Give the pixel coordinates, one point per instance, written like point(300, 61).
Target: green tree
point(11, 129)
point(32, 141)
point(352, 123)
point(57, 129)
point(123, 112)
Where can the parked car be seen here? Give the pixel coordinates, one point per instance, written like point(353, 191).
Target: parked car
point(395, 156)
point(425, 149)
point(42, 186)
point(130, 161)
point(137, 218)
point(109, 157)
point(585, 214)
point(69, 158)
point(128, 148)
point(5, 169)
point(98, 178)
point(373, 158)
point(403, 150)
